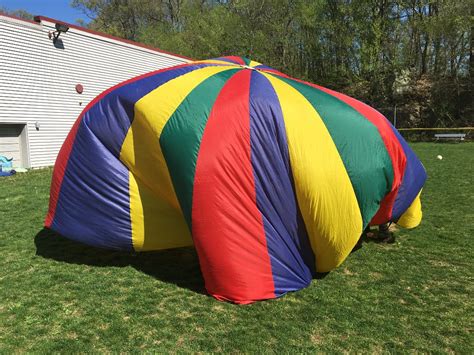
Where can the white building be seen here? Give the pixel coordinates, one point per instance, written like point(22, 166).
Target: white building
point(41, 81)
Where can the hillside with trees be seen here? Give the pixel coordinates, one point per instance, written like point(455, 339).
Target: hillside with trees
point(414, 57)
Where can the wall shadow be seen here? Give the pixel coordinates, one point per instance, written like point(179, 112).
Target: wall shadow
point(177, 266)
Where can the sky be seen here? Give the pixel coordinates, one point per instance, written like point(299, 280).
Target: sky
point(57, 9)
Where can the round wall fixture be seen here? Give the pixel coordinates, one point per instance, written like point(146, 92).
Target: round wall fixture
point(79, 88)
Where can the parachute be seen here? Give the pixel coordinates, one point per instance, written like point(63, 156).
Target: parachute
point(272, 179)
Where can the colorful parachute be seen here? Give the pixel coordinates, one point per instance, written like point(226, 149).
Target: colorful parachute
point(274, 178)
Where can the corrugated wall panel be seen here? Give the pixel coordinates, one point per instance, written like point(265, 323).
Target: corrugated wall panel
point(38, 79)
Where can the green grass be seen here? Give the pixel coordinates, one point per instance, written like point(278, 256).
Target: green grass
point(416, 294)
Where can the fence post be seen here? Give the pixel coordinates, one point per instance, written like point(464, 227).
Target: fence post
point(395, 116)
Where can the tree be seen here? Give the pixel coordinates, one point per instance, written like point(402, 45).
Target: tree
point(366, 48)
point(17, 13)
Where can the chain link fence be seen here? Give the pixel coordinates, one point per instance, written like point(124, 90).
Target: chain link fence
point(406, 123)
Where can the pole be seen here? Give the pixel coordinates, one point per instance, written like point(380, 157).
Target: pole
point(395, 117)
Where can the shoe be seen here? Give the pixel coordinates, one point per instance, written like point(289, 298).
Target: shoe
point(387, 238)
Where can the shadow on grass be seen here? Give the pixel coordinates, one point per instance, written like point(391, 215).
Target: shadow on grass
point(379, 238)
point(177, 266)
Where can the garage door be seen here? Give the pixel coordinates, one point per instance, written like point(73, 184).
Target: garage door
point(10, 142)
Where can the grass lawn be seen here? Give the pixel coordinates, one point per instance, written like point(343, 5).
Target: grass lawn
point(416, 294)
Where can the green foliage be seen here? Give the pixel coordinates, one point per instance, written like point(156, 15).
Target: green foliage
point(364, 48)
point(411, 296)
point(23, 14)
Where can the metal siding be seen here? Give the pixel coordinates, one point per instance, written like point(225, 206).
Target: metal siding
point(37, 80)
